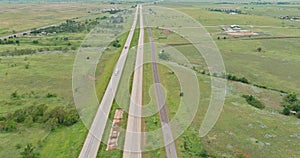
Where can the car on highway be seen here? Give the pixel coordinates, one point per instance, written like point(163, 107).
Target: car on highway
point(116, 72)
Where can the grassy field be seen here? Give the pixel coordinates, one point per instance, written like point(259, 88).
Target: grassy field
point(47, 73)
point(22, 17)
point(34, 77)
point(243, 130)
point(240, 54)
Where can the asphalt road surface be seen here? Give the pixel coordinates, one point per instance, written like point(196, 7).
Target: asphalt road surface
point(160, 101)
point(93, 139)
point(132, 146)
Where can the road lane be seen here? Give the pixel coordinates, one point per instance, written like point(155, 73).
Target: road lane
point(160, 101)
point(93, 139)
point(132, 146)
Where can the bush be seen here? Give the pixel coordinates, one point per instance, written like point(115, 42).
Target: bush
point(260, 86)
point(51, 95)
point(19, 115)
point(116, 44)
point(35, 42)
point(286, 111)
point(39, 114)
point(14, 95)
point(253, 101)
point(10, 126)
point(2, 118)
point(29, 152)
point(235, 78)
point(290, 98)
point(71, 117)
point(18, 52)
point(243, 80)
point(259, 49)
point(204, 153)
point(27, 66)
point(296, 107)
point(164, 56)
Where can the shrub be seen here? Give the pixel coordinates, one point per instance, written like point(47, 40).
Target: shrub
point(18, 146)
point(290, 98)
point(2, 118)
point(71, 117)
point(35, 42)
point(27, 66)
point(51, 95)
point(243, 80)
point(235, 78)
point(181, 94)
point(19, 115)
point(204, 153)
point(116, 44)
point(296, 106)
point(253, 101)
point(259, 49)
point(14, 95)
point(286, 111)
point(29, 152)
point(164, 56)
point(10, 126)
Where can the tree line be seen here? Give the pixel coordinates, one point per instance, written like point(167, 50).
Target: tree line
point(224, 10)
point(49, 117)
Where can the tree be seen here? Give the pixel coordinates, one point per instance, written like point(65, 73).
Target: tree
point(27, 66)
point(35, 42)
point(116, 44)
point(181, 94)
point(259, 49)
point(164, 56)
point(58, 113)
point(29, 152)
point(253, 101)
point(296, 106)
point(290, 98)
point(204, 153)
point(286, 111)
point(244, 80)
point(71, 117)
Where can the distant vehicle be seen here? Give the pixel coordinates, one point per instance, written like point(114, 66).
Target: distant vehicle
point(116, 72)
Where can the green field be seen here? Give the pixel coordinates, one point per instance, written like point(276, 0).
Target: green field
point(243, 130)
point(45, 78)
point(23, 17)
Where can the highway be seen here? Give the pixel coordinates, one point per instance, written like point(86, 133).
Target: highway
point(160, 101)
point(132, 145)
point(93, 139)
